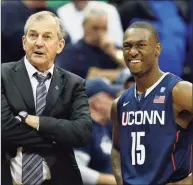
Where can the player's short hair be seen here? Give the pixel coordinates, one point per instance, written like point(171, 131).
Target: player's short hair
point(42, 16)
point(146, 25)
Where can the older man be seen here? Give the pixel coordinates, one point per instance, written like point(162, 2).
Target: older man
point(44, 110)
point(73, 12)
point(95, 55)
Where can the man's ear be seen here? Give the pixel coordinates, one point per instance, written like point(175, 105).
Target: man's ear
point(23, 42)
point(158, 49)
point(61, 46)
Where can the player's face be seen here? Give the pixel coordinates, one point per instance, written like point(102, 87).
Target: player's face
point(140, 50)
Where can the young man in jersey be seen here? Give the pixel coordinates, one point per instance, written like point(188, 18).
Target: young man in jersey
point(152, 133)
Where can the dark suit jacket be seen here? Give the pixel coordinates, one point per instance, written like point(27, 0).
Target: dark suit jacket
point(65, 122)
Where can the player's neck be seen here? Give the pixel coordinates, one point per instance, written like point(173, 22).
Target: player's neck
point(146, 81)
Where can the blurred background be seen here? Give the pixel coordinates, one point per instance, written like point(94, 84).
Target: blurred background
point(94, 34)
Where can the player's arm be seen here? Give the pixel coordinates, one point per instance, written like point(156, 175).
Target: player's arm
point(115, 153)
point(182, 96)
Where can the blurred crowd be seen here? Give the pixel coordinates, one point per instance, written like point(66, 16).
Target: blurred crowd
point(93, 50)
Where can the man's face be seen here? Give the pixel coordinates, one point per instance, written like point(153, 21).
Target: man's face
point(95, 28)
point(41, 43)
point(140, 50)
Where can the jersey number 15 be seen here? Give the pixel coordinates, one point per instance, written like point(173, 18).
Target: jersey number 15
point(138, 150)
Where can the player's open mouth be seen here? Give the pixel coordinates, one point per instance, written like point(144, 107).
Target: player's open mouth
point(135, 61)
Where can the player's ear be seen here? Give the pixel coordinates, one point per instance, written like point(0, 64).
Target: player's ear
point(158, 49)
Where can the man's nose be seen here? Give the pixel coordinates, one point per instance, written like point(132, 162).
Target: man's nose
point(39, 41)
point(100, 33)
point(133, 52)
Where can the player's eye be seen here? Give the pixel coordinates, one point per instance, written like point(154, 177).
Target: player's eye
point(141, 45)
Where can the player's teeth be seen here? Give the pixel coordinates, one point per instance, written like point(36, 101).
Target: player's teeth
point(135, 61)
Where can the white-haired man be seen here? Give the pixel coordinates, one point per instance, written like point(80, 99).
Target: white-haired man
point(44, 110)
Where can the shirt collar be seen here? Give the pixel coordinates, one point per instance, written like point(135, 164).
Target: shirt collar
point(152, 87)
point(31, 69)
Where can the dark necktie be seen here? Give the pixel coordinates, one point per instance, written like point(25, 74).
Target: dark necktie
point(32, 164)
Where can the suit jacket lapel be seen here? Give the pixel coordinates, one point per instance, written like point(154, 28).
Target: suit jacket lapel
point(56, 86)
point(21, 79)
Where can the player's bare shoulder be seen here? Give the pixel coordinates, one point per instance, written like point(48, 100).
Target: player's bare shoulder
point(182, 95)
point(182, 103)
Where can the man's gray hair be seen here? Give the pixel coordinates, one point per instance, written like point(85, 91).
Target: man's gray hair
point(42, 16)
point(95, 10)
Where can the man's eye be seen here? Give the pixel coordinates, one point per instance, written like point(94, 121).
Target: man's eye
point(33, 35)
point(47, 37)
point(142, 45)
point(127, 46)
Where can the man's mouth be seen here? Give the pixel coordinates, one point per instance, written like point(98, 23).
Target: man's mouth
point(135, 61)
point(38, 52)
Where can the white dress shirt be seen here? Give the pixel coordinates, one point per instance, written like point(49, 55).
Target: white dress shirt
point(16, 163)
point(72, 20)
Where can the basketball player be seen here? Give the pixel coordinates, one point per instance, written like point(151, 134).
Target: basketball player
point(152, 133)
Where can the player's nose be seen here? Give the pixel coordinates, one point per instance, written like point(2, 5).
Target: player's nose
point(133, 52)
